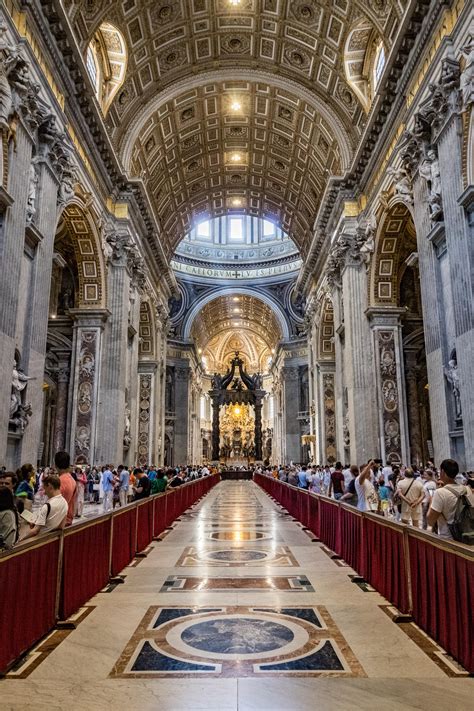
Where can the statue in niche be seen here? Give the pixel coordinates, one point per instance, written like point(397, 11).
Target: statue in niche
point(368, 247)
point(21, 417)
point(20, 411)
point(33, 181)
point(6, 102)
point(127, 438)
point(452, 376)
point(19, 383)
point(66, 297)
point(346, 431)
point(429, 171)
point(467, 76)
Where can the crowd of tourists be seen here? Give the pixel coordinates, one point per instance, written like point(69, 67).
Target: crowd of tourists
point(39, 501)
point(428, 498)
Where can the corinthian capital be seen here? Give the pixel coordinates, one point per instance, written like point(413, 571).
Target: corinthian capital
point(119, 248)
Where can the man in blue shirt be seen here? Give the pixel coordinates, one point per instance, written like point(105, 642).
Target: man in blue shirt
point(108, 487)
point(303, 478)
point(124, 478)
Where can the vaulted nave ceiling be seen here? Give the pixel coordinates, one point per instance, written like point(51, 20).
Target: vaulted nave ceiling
point(260, 101)
point(238, 322)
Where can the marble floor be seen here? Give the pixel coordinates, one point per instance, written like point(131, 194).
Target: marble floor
point(237, 608)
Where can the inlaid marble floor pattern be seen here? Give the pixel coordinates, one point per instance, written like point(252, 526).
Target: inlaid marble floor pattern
point(236, 608)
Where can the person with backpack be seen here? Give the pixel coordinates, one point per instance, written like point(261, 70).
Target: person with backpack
point(452, 506)
point(52, 515)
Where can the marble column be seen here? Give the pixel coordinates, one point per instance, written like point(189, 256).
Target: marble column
point(84, 385)
point(42, 228)
point(258, 428)
point(291, 428)
point(182, 397)
point(460, 249)
point(215, 427)
point(158, 418)
point(342, 432)
point(413, 407)
point(389, 375)
point(359, 364)
point(114, 361)
point(61, 415)
point(12, 241)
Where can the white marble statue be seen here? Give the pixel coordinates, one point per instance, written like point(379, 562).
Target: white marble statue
point(403, 186)
point(467, 76)
point(429, 170)
point(451, 374)
point(32, 189)
point(19, 383)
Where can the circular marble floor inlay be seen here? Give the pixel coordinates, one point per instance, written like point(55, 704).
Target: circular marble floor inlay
point(237, 636)
point(237, 556)
point(238, 536)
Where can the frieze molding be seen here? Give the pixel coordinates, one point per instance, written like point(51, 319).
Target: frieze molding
point(144, 407)
point(385, 343)
point(329, 405)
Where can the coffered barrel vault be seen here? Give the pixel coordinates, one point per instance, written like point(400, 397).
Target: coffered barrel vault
point(295, 126)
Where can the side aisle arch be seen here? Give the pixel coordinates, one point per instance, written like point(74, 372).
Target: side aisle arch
point(88, 253)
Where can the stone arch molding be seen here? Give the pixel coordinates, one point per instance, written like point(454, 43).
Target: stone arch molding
point(326, 348)
point(394, 221)
point(235, 291)
point(147, 336)
point(88, 252)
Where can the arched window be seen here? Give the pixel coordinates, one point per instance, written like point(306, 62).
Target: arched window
point(106, 62)
point(364, 61)
point(379, 64)
point(93, 66)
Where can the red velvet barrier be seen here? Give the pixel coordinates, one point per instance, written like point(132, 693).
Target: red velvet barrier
point(313, 514)
point(171, 508)
point(179, 494)
point(144, 524)
point(301, 502)
point(385, 561)
point(123, 540)
point(160, 514)
point(351, 542)
point(329, 524)
point(28, 582)
point(293, 501)
point(441, 574)
point(85, 564)
point(442, 586)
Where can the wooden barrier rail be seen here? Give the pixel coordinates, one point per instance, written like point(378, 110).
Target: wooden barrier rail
point(419, 573)
point(50, 577)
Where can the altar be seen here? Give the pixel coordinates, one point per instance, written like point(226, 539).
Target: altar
point(237, 416)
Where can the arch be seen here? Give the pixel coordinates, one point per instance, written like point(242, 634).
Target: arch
point(362, 48)
point(106, 62)
point(77, 220)
point(236, 291)
point(146, 333)
point(395, 239)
